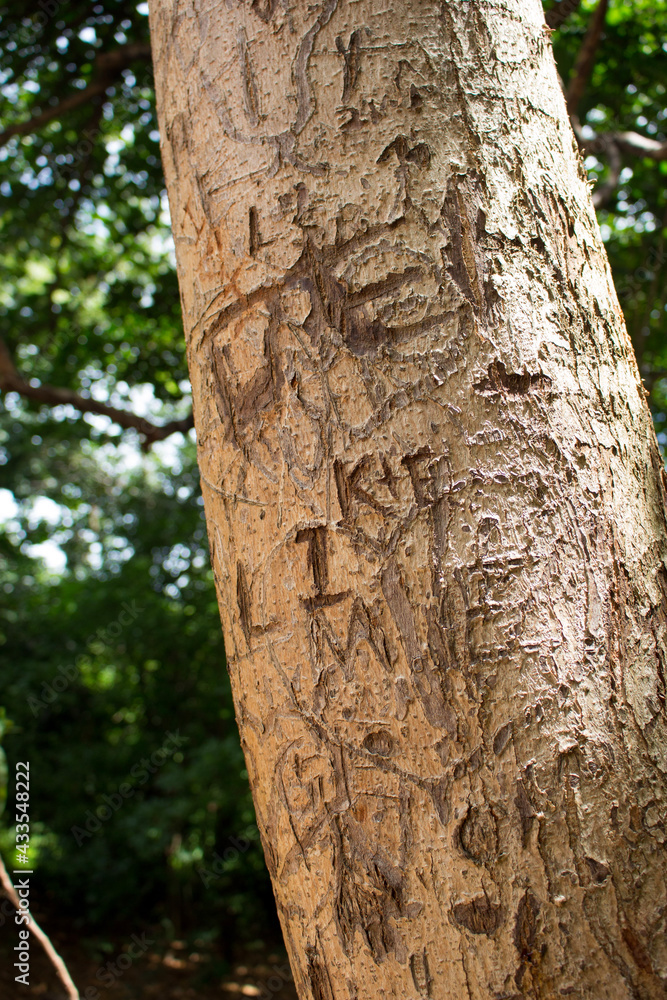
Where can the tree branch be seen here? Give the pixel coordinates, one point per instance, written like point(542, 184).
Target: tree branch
point(640, 145)
point(586, 58)
point(38, 933)
point(12, 381)
point(108, 66)
point(612, 145)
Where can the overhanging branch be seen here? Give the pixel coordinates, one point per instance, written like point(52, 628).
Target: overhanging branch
point(640, 145)
point(108, 65)
point(611, 145)
point(12, 381)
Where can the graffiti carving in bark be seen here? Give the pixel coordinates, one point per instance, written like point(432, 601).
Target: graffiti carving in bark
point(434, 498)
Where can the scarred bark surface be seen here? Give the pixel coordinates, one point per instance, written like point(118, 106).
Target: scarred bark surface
point(434, 498)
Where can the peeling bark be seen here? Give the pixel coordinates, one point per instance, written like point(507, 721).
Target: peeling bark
point(435, 503)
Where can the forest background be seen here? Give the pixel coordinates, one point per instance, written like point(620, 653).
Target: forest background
point(111, 656)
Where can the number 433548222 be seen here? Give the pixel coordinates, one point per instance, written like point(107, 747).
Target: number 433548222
point(22, 812)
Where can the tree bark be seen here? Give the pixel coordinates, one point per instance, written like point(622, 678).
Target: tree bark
point(435, 503)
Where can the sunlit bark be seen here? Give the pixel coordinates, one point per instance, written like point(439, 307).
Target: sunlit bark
point(434, 498)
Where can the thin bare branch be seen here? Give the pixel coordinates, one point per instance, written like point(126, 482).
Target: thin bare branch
point(108, 66)
point(583, 67)
point(12, 381)
point(38, 933)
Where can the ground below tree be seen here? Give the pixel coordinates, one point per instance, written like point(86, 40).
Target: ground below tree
point(168, 970)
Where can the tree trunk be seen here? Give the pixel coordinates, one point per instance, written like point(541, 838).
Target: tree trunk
point(434, 498)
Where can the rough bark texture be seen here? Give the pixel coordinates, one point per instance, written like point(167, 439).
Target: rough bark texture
point(434, 498)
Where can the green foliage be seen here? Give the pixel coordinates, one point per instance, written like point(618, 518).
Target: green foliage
point(89, 301)
point(101, 664)
point(627, 94)
point(88, 297)
point(6, 726)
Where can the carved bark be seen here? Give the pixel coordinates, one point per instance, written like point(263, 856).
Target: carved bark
point(435, 502)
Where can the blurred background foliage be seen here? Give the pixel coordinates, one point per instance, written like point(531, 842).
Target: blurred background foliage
point(109, 631)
